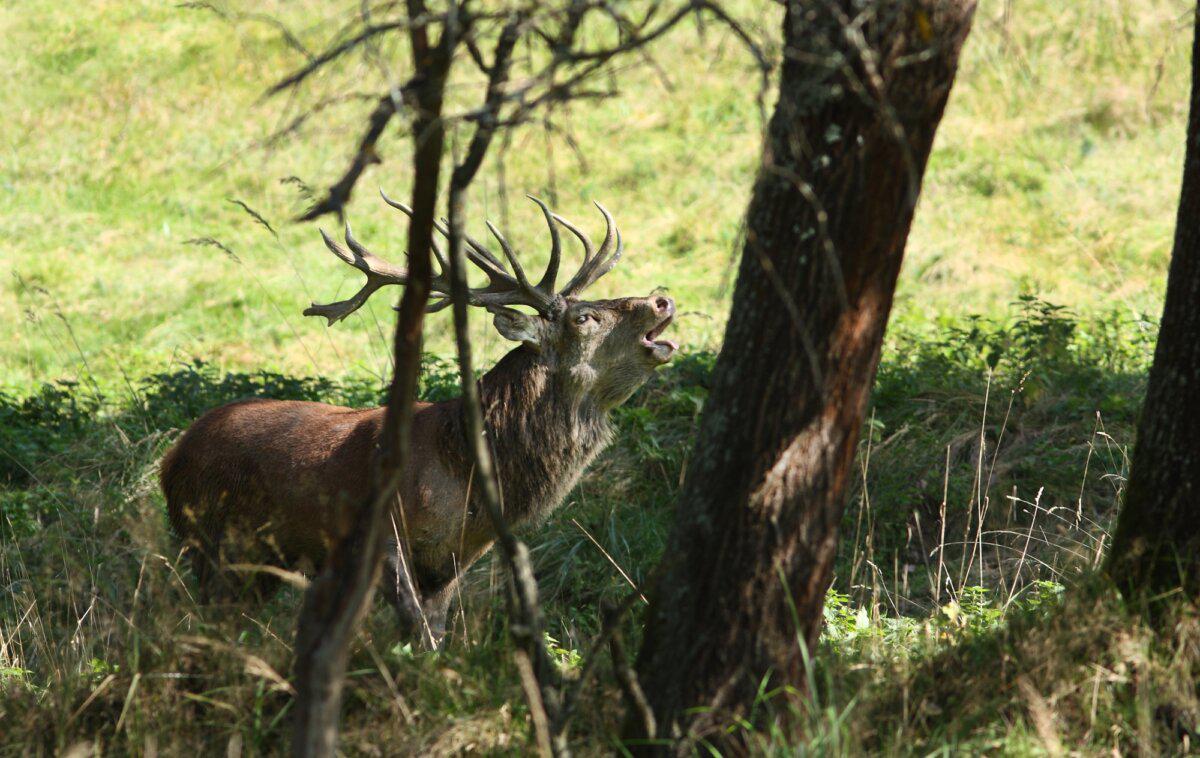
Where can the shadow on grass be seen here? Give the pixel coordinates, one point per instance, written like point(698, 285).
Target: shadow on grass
point(965, 413)
point(103, 639)
point(987, 437)
point(94, 595)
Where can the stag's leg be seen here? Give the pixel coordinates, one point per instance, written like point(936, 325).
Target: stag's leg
point(203, 551)
point(412, 611)
point(205, 570)
point(200, 548)
point(263, 554)
point(261, 588)
point(218, 582)
point(437, 610)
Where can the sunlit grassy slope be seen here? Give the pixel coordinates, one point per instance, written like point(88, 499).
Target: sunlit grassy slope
point(996, 446)
point(130, 126)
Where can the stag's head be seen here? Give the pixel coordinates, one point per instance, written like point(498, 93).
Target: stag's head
point(605, 348)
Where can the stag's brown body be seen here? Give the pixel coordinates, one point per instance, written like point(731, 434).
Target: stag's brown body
point(280, 480)
point(276, 483)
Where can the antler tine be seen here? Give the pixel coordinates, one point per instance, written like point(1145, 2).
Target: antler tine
point(379, 273)
point(547, 282)
point(601, 265)
point(542, 299)
point(443, 264)
point(337, 250)
point(482, 257)
point(364, 260)
point(474, 246)
point(441, 226)
point(596, 263)
point(503, 288)
point(510, 255)
point(589, 249)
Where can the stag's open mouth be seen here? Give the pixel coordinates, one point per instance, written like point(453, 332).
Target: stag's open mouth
point(662, 350)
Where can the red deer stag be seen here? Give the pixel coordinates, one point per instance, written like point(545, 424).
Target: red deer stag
point(274, 483)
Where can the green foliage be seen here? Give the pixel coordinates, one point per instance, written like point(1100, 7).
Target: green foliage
point(566, 658)
point(974, 610)
point(1038, 339)
point(13, 676)
point(40, 425)
point(1047, 180)
point(659, 420)
point(439, 379)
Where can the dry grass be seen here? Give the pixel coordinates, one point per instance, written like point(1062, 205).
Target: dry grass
point(1082, 677)
point(1056, 172)
point(103, 643)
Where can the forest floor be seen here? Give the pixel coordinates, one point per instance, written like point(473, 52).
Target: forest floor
point(966, 614)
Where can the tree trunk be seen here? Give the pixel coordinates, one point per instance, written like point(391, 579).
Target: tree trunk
point(341, 594)
point(1156, 547)
point(752, 550)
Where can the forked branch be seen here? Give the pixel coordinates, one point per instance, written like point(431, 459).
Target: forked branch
point(568, 62)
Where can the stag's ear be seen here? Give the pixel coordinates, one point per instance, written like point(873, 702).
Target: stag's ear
point(517, 326)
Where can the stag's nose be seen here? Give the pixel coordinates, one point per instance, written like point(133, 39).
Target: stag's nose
point(663, 306)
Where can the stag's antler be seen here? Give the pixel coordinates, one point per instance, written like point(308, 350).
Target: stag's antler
point(503, 287)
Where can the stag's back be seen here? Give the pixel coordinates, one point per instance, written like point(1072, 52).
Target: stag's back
point(285, 475)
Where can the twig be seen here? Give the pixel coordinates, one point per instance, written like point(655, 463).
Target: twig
point(611, 624)
point(631, 688)
point(615, 565)
point(339, 194)
point(539, 677)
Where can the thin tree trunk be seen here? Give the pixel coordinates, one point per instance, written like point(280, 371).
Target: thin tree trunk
point(337, 600)
point(539, 678)
point(1156, 547)
point(751, 554)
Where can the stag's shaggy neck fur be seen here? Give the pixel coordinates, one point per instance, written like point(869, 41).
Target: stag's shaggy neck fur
point(280, 481)
point(544, 430)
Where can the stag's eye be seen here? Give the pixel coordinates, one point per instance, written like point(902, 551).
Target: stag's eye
point(583, 318)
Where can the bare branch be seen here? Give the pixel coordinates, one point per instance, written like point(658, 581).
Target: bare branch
point(339, 194)
point(506, 105)
point(465, 172)
point(289, 37)
point(539, 677)
point(337, 51)
point(631, 688)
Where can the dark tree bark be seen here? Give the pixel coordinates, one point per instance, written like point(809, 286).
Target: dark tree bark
point(1156, 547)
point(744, 577)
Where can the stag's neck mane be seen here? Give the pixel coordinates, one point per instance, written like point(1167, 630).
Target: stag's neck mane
point(543, 432)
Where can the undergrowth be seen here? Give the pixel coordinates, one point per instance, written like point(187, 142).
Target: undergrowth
point(990, 470)
point(990, 467)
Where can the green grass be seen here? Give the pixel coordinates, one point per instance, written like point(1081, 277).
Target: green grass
point(131, 126)
point(997, 445)
point(96, 590)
